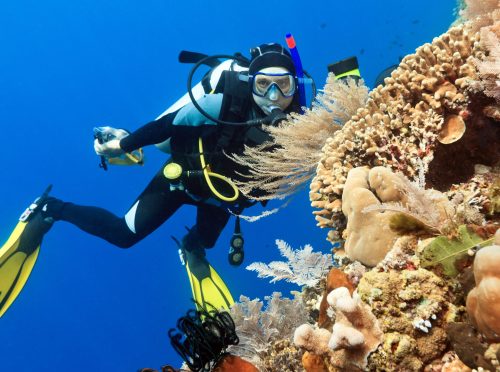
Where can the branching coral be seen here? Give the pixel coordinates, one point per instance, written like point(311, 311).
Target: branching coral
point(285, 164)
point(257, 329)
point(303, 266)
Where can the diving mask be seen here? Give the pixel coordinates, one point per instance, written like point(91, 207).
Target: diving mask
point(263, 82)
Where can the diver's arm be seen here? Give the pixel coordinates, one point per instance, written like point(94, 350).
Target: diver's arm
point(159, 130)
point(153, 132)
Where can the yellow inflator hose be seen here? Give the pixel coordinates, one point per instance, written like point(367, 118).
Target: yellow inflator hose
point(208, 174)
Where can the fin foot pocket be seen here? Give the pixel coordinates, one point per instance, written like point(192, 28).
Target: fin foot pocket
point(19, 254)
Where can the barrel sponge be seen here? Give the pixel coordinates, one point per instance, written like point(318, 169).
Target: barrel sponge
point(483, 302)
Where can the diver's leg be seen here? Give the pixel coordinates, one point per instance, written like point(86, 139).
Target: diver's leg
point(210, 221)
point(153, 207)
point(209, 290)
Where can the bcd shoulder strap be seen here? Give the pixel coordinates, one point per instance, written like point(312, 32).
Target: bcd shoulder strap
point(235, 105)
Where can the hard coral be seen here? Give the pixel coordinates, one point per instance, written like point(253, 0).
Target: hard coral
point(368, 236)
point(354, 336)
point(402, 121)
point(379, 205)
point(411, 307)
point(312, 339)
point(313, 362)
point(483, 302)
point(356, 332)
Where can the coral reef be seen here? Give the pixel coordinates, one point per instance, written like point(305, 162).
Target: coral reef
point(400, 126)
point(412, 183)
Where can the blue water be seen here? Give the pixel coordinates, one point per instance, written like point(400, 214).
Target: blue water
point(66, 66)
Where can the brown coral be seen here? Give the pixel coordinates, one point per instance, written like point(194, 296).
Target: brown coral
point(400, 125)
point(483, 302)
point(234, 363)
point(313, 362)
point(368, 236)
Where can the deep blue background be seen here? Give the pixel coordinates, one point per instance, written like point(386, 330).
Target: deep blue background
point(66, 66)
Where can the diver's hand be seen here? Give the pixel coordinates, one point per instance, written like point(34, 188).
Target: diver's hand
point(109, 149)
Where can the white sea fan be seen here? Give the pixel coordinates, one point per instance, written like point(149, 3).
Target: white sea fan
point(303, 267)
point(257, 326)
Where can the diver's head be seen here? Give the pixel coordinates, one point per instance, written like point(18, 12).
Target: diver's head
point(272, 77)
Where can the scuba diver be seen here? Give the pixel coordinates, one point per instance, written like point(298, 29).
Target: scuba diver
point(224, 113)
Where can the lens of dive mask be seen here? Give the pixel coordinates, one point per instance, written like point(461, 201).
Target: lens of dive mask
point(263, 82)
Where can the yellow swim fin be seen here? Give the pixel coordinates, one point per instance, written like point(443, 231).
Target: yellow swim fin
point(209, 290)
point(18, 255)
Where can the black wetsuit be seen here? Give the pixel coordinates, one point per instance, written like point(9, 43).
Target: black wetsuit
point(159, 201)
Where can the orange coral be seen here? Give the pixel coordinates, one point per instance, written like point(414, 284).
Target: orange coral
point(313, 362)
point(232, 363)
point(336, 278)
